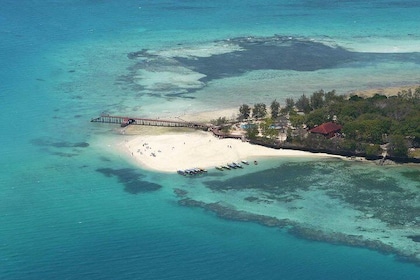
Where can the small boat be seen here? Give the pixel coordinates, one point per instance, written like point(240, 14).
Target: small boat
point(255, 162)
point(238, 164)
point(232, 165)
point(226, 167)
point(245, 162)
point(219, 168)
point(192, 171)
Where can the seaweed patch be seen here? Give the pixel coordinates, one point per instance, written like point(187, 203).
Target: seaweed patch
point(131, 179)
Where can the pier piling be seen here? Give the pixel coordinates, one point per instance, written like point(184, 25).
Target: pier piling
point(125, 121)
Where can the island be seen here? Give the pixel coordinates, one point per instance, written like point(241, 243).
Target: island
point(333, 138)
point(380, 127)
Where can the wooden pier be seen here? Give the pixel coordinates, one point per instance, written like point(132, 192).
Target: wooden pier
point(125, 121)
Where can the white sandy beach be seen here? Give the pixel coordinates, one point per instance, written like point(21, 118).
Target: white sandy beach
point(170, 152)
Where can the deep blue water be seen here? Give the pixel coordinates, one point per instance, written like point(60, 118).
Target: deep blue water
point(62, 219)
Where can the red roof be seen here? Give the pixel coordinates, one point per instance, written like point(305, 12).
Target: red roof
point(326, 128)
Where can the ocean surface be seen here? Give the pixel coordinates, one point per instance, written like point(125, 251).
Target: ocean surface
point(73, 208)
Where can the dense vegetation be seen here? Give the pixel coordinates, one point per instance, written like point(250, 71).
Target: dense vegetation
point(367, 122)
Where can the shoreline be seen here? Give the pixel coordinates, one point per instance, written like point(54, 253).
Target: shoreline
point(169, 152)
point(166, 150)
point(387, 91)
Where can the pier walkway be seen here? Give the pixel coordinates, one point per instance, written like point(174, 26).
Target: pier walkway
point(125, 121)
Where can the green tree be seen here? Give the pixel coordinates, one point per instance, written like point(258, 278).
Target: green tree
point(317, 99)
point(268, 130)
point(289, 137)
point(259, 111)
point(373, 150)
point(331, 97)
point(351, 130)
point(303, 104)
point(219, 121)
point(367, 130)
point(356, 98)
point(251, 130)
point(290, 103)
point(349, 111)
point(244, 112)
point(348, 145)
point(289, 106)
point(398, 146)
point(275, 109)
point(410, 126)
point(297, 120)
point(317, 117)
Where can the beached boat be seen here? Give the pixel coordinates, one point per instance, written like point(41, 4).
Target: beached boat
point(226, 167)
point(238, 164)
point(232, 165)
point(245, 162)
point(219, 168)
point(192, 171)
point(188, 172)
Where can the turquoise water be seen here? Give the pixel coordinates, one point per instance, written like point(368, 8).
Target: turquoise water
point(67, 206)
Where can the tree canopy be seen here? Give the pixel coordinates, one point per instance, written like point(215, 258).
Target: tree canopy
point(367, 123)
point(375, 120)
point(244, 112)
point(303, 104)
point(268, 130)
point(275, 109)
point(259, 111)
point(251, 130)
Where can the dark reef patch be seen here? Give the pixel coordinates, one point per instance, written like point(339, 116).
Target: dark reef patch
point(180, 95)
point(231, 214)
point(251, 198)
point(254, 53)
point(369, 191)
point(413, 175)
point(60, 144)
point(415, 238)
point(180, 192)
point(375, 192)
point(66, 155)
point(299, 231)
point(277, 181)
point(273, 53)
point(131, 179)
point(105, 159)
point(59, 148)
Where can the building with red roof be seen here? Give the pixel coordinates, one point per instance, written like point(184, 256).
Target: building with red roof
point(328, 129)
